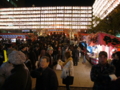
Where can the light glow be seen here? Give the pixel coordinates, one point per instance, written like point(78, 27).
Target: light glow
point(101, 8)
point(68, 17)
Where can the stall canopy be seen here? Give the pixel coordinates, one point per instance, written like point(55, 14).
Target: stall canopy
point(104, 39)
point(103, 42)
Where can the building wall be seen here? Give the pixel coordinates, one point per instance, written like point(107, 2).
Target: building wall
point(102, 8)
point(56, 17)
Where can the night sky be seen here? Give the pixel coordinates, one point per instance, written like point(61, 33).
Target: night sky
point(29, 3)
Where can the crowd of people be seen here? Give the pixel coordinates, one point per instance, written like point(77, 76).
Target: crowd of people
point(37, 59)
point(21, 61)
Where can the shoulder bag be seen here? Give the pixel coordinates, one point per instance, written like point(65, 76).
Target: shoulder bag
point(68, 80)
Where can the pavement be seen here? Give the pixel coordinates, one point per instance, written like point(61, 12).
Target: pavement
point(81, 76)
point(74, 88)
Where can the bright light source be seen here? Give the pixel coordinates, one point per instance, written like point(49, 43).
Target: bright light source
point(70, 17)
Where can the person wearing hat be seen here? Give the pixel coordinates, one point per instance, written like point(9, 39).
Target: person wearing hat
point(14, 75)
point(49, 54)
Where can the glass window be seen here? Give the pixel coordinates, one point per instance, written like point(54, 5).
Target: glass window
point(60, 7)
point(68, 7)
point(84, 7)
point(68, 11)
point(76, 7)
point(60, 11)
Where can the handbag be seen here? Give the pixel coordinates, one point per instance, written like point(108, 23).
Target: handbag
point(68, 80)
point(58, 67)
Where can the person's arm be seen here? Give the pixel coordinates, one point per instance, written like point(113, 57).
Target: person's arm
point(99, 77)
point(111, 70)
point(35, 73)
point(60, 62)
point(95, 76)
point(36, 64)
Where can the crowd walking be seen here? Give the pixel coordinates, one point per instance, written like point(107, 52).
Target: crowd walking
point(38, 59)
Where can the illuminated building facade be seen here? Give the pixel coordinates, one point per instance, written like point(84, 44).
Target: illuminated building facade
point(102, 8)
point(56, 17)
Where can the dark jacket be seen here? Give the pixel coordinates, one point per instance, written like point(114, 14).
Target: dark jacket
point(45, 79)
point(32, 58)
point(52, 62)
point(1, 57)
point(115, 85)
point(75, 54)
point(100, 76)
point(116, 63)
point(19, 79)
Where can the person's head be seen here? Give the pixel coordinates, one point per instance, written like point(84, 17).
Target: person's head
point(37, 47)
point(76, 47)
point(50, 50)
point(117, 55)
point(44, 62)
point(113, 56)
point(30, 48)
point(1, 46)
point(42, 53)
point(103, 57)
point(68, 54)
point(23, 48)
point(16, 57)
point(9, 45)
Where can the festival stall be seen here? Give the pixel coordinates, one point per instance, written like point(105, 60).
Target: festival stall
point(13, 37)
point(102, 42)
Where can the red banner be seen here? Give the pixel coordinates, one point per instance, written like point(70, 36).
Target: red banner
point(107, 39)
